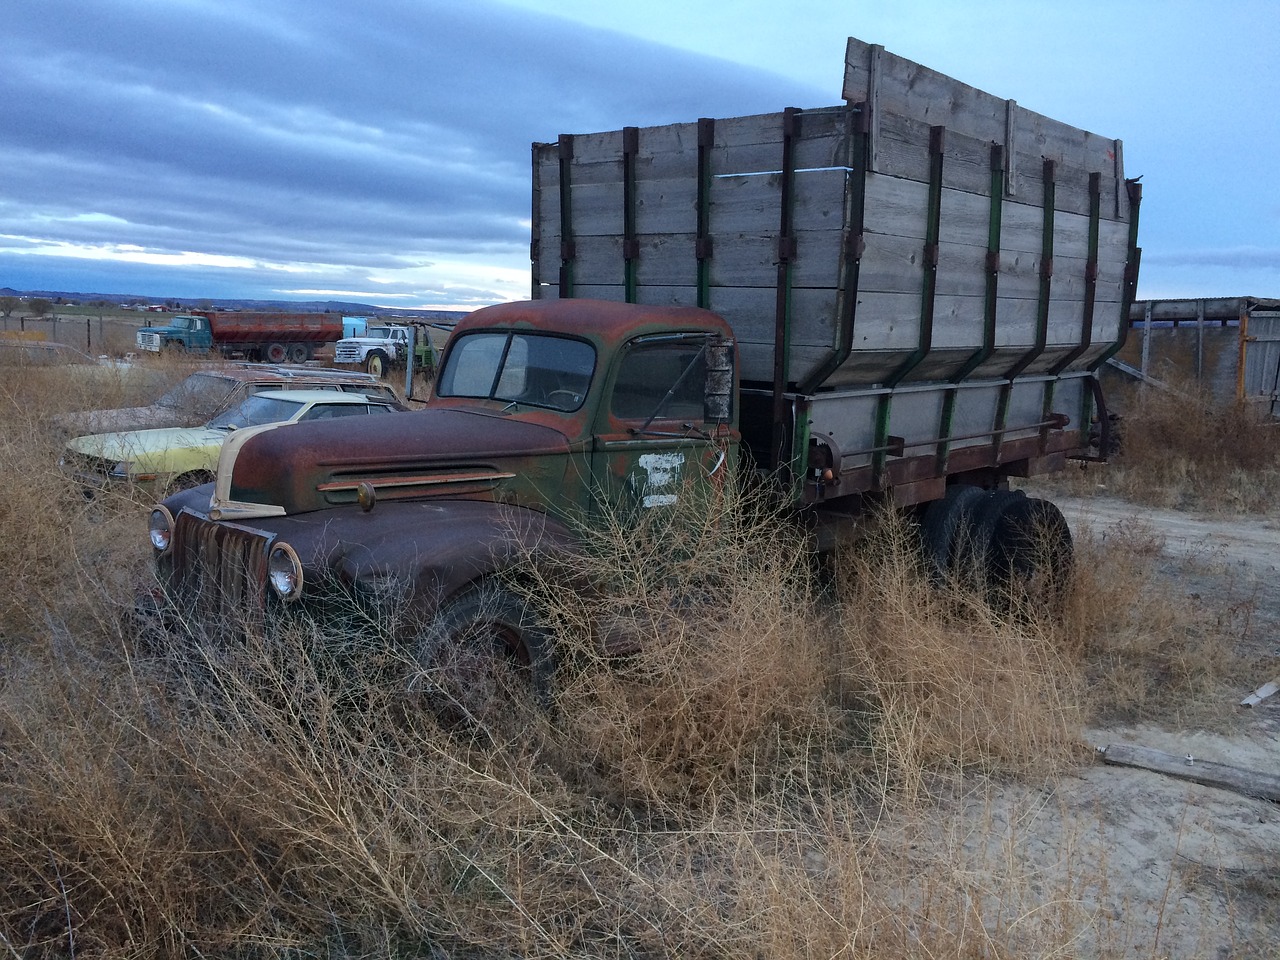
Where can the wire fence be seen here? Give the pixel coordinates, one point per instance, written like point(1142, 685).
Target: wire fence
point(101, 334)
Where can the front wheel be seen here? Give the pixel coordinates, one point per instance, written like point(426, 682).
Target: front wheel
point(378, 364)
point(485, 658)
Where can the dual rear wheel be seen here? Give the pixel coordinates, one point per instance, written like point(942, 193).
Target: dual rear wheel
point(1018, 549)
point(277, 352)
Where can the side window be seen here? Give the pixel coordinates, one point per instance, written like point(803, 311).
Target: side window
point(370, 390)
point(333, 411)
point(661, 381)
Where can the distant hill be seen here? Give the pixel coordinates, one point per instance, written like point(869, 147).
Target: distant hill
point(205, 303)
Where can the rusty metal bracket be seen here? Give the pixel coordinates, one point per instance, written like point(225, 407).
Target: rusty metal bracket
point(568, 251)
point(630, 245)
point(702, 241)
point(782, 305)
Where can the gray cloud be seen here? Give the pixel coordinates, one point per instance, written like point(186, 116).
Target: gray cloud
point(1247, 257)
point(356, 137)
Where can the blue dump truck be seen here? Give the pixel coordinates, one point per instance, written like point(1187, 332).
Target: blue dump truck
point(274, 337)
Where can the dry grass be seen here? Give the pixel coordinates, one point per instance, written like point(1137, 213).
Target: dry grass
point(791, 762)
point(1183, 449)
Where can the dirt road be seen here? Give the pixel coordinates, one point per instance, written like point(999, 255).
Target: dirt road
point(1180, 870)
point(1251, 543)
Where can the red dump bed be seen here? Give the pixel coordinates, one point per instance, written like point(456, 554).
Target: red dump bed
point(267, 327)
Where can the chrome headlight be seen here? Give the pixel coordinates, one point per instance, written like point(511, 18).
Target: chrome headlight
point(161, 529)
point(284, 572)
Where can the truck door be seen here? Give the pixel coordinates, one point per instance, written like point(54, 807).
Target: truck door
point(201, 335)
point(666, 424)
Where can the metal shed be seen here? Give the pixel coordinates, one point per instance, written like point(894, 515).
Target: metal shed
point(1231, 345)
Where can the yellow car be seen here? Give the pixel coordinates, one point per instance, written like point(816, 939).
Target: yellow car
point(175, 458)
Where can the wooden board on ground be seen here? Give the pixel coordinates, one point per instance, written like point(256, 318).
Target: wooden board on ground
point(1251, 783)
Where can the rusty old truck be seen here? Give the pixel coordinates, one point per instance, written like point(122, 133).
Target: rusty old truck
point(271, 336)
point(904, 298)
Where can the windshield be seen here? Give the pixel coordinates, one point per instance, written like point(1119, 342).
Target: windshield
point(181, 323)
point(200, 391)
point(536, 369)
point(256, 410)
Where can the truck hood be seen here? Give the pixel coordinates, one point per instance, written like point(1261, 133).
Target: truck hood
point(123, 418)
point(146, 443)
point(286, 469)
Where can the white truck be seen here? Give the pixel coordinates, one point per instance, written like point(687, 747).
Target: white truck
point(381, 347)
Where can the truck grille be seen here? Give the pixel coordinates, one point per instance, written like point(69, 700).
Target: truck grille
point(148, 341)
point(344, 353)
point(219, 569)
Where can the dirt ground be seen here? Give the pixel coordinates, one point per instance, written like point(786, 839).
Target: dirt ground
point(1183, 870)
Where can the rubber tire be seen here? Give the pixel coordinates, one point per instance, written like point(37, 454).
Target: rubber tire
point(938, 527)
point(276, 353)
point(299, 353)
point(1031, 556)
point(484, 652)
point(185, 482)
point(378, 364)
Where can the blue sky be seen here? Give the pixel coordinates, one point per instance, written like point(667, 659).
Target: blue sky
point(379, 151)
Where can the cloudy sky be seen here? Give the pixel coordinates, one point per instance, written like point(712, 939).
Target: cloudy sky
point(379, 151)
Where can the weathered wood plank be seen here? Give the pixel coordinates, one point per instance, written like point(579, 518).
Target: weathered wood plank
point(1262, 693)
point(904, 152)
point(745, 217)
point(913, 90)
point(1250, 783)
point(903, 93)
point(670, 259)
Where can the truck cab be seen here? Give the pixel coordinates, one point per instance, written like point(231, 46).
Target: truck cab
point(377, 348)
point(182, 332)
point(544, 413)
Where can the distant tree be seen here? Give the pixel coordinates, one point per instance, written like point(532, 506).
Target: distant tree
point(39, 306)
point(8, 305)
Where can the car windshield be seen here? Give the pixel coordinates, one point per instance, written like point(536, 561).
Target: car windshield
point(200, 390)
point(256, 410)
point(537, 369)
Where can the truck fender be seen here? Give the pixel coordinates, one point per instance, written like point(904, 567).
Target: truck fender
point(440, 578)
point(419, 555)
